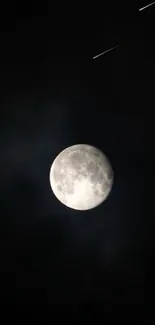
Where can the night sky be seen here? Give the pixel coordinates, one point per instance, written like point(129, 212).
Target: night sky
point(58, 263)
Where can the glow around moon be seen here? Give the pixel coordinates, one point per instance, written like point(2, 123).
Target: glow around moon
point(81, 177)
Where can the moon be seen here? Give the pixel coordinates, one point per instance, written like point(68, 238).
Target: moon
point(81, 177)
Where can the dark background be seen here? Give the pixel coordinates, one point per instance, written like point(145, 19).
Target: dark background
point(57, 263)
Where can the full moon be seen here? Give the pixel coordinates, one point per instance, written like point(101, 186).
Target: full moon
point(81, 177)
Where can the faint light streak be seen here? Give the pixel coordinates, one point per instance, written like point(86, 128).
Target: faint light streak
point(146, 6)
point(96, 56)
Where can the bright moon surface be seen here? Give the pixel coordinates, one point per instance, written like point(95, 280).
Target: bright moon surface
point(81, 177)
